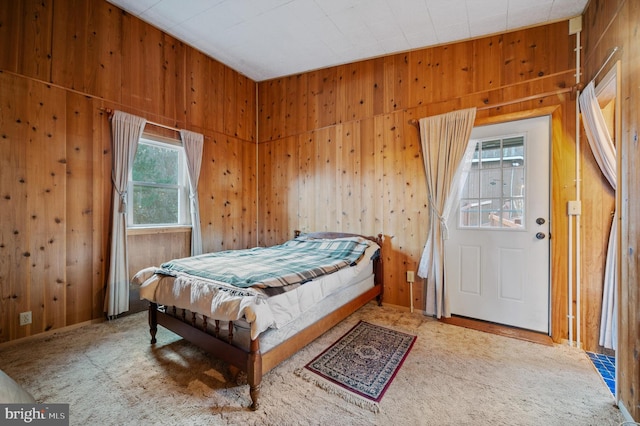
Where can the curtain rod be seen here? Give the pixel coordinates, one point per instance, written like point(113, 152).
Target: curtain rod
point(110, 112)
point(606, 61)
point(416, 123)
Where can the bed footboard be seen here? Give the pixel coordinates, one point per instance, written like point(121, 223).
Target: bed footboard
point(184, 324)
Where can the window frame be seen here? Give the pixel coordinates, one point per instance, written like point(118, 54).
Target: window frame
point(183, 185)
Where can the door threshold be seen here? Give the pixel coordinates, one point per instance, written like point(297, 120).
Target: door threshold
point(499, 329)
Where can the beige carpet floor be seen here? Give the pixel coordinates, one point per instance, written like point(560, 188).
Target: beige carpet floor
point(110, 375)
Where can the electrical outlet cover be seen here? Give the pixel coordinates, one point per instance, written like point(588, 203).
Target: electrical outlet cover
point(25, 318)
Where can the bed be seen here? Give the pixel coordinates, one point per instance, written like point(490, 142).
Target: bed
point(257, 320)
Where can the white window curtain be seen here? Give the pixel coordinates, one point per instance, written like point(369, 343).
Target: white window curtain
point(447, 154)
point(126, 130)
point(605, 154)
point(193, 144)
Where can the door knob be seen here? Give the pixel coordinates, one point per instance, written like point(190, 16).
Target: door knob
point(540, 221)
point(540, 235)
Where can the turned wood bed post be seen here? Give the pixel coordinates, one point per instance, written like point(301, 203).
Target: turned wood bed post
point(379, 271)
point(153, 321)
point(254, 372)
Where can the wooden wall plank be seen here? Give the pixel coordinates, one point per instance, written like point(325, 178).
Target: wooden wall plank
point(143, 73)
point(102, 195)
point(306, 180)
point(396, 85)
point(218, 98)
point(420, 77)
point(440, 64)
point(230, 97)
point(317, 181)
point(69, 45)
point(265, 202)
point(627, 27)
point(10, 31)
point(234, 217)
point(152, 249)
point(321, 100)
point(248, 189)
point(34, 58)
point(564, 189)
point(486, 66)
point(87, 50)
point(295, 119)
point(172, 95)
point(272, 109)
point(245, 104)
point(355, 91)
point(371, 194)
point(80, 153)
point(270, 200)
point(46, 177)
point(278, 169)
point(415, 204)
point(397, 217)
point(462, 61)
point(204, 84)
point(14, 244)
point(348, 172)
point(222, 193)
point(322, 197)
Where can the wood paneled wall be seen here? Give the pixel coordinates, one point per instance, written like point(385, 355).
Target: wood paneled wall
point(60, 62)
point(610, 24)
point(336, 151)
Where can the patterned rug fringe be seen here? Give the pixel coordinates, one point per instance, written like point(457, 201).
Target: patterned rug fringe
point(337, 390)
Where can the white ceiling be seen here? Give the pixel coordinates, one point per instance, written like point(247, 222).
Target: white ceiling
point(265, 39)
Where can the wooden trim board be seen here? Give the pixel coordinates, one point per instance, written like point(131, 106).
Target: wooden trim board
point(499, 329)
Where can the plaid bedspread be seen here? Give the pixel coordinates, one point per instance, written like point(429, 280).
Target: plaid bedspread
point(293, 262)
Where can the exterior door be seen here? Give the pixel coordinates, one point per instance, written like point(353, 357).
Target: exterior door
point(497, 255)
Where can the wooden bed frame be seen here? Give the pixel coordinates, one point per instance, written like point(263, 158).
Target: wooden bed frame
point(252, 361)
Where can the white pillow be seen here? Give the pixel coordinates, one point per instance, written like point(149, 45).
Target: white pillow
point(12, 393)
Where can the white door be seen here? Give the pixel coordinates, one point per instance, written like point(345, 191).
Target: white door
point(497, 254)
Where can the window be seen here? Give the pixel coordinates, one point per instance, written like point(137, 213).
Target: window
point(493, 196)
point(158, 193)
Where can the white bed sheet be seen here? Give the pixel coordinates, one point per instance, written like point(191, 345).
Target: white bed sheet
point(288, 306)
point(273, 337)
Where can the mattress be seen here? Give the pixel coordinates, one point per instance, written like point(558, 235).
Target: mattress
point(273, 336)
point(259, 312)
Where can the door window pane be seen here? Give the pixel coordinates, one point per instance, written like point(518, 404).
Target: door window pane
point(494, 194)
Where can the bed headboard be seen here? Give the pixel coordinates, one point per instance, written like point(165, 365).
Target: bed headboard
point(331, 235)
point(377, 259)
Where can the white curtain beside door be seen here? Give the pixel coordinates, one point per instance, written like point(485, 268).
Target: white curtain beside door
point(447, 153)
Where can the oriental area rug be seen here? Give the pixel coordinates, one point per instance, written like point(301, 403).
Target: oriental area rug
point(361, 365)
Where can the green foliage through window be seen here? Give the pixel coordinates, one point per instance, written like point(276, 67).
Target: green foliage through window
point(158, 190)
